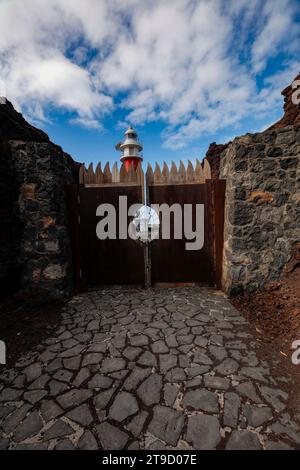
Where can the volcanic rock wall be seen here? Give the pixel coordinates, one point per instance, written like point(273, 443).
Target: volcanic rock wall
point(213, 156)
point(291, 110)
point(262, 208)
point(35, 254)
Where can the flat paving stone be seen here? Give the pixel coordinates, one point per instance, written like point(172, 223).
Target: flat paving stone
point(218, 383)
point(124, 405)
point(57, 430)
point(65, 444)
point(40, 382)
point(275, 397)
point(29, 427)
point(170, 394)
point(139, 340)
point(102, 399)
point(100, 381)
point(159, 347)
point(201, 400)
point(136, 425)
point(202, 358)
point(63, 375)
point(147, 359)
point(227, 367)
point(50, 410)
point(57, 387)
point(150, 390)
point(247, 389)
point(193, 383)
point(4, 444)
point(196, 370)
point(243, 440)
point(167, 424)
point(167, 362)
point(13, 420)
point(137, 375)
point(81, 376)
point(176, 375)
point(81, 415)
point(203, 432)
point(72, 363)
point(5, 410)
point(112, 365)
point(72, 351)
point(131, 353)
point(157, 369)
point(33, 371)
point(110, 437)
point(92, 358)
point(257, 415)
point(10, 394)
point(35, 395)
point(231, 409)
point(87, 441)
point(73, 398)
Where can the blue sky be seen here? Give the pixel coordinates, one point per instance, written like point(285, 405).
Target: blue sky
point(185, 73)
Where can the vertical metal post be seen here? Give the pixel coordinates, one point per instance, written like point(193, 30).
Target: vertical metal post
point(147, 264)
point(147, 247)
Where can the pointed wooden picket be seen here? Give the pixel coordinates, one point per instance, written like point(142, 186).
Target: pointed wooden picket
point(181, 173)
point(140, 175)
point(199, 174)
point(90, 176)
point(82, 174)
point(206, 169)
point(107, 177)
point(149, 174)
point(190, 173)
point(157, 174)
point(173, 178)
point(123, 174)
point(165, 173)
point(132, 176)
point(115, 174)
point(98, 174)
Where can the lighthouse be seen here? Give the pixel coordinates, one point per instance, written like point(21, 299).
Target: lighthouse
point(130, 148)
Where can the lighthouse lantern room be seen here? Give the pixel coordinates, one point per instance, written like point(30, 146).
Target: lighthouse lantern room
point(130, 148)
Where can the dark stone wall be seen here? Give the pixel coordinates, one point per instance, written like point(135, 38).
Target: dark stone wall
point(213, 156)
point(14, 127)
point(262, 208)
point(11, 227)
point(35, 254)
point(291, 110)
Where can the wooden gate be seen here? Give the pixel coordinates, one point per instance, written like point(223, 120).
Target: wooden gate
point(109, 261)
point(170, 261)
point(125, 261)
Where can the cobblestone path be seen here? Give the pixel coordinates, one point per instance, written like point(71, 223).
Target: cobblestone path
point(157, 369)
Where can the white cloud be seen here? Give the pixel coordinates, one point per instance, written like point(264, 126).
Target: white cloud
point(278, 29)
point(192, 64)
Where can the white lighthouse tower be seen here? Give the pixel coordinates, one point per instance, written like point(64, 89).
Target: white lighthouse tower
point(130, 148)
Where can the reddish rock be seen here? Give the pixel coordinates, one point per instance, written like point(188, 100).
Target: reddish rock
point(291, 111)
point(213, 156)
point(28, 191)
